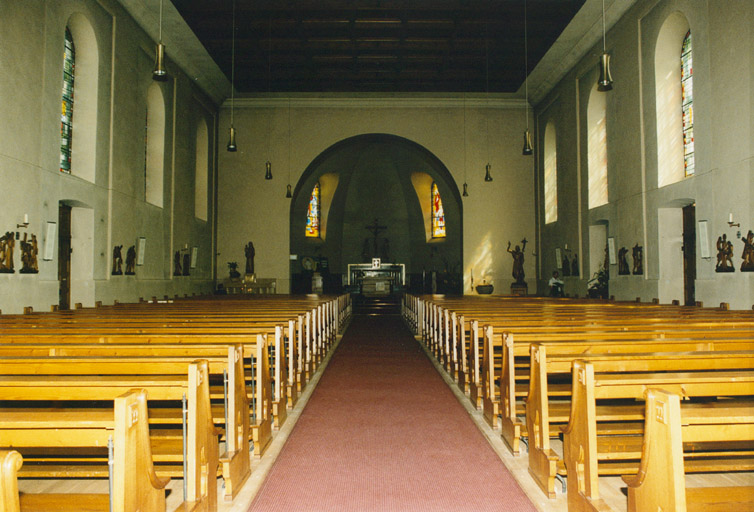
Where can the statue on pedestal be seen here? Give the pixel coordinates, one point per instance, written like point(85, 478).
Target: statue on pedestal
point(575, 265)
point(638, 256)
point(117, 260)
point(186, 264)
point(250, 253)
point(131, 261)
point(747, 265)
point(724, 255)
point(29, 252)
point(518, 262)
point(7, 242)
point(177, 264)
point(623, 262)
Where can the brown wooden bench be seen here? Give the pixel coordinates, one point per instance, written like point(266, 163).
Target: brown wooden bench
point(26, 390)
point(587, 454)
point(122, 429)
point(660, 481)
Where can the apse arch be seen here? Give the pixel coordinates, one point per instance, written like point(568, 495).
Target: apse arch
point(370, 179)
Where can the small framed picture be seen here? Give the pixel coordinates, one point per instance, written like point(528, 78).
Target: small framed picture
point(611, 250)
point(194, 252)
point(558, 258)
point(703, 239)
point(50, 235)
point(140, 246)
point(376, 262)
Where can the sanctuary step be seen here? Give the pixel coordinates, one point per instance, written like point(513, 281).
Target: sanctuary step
point(389, 305)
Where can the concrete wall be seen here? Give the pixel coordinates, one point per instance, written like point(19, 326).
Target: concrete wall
point(254, 209)
point(110, 208)
point(637, 211)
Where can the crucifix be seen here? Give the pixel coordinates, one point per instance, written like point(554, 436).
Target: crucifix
point(376, 229)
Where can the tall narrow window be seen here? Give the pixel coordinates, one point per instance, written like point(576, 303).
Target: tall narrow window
point(438, 214)
point(597, 148)
point(687, 94)
point(66, 113)
point(312, 214)
point(551, 175)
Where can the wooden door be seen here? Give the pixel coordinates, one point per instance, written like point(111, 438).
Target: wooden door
point(689, 254)
point(64, 256)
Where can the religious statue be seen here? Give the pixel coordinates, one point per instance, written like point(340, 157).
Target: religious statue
point(747, 265)
point(518, 262)
point(638, 256)
point(623, 262)
point(117, 260)
point(177, 264)
point(233, 270)
point(29, 252)
point(250, 252)
point(131, 261)
point(372, 250)
point(575, 265)
point(186, 264)
point(7, 242)
point(724, 255)
point(566, 265)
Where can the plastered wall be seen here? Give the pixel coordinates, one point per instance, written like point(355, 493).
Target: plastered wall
point(254, 209)
point(638, 210)
point(110, 209)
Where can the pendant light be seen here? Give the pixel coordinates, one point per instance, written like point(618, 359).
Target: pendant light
point(465, 186)
point(527, 134)
point(268, 164)
point(288, 188)
point(232, 139)
point(159, 72)
point(487, 175)
point(605, 82)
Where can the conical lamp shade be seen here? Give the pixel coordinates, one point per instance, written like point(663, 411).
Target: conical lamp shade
point(288, 192)
point(605, 82)
point(527, 143)
point(488, 176)
point(232, 140)
point(159, 72)
point(268, 173)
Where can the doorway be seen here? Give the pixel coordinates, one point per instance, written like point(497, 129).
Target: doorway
point(64, 256)
point(689, 254)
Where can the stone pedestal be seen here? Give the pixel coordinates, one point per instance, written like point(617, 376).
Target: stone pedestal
point(521, 289)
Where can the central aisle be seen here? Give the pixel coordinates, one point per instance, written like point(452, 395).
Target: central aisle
point(383, 432)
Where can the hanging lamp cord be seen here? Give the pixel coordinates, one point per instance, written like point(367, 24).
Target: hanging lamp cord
point(526, 66)
point(232, 62)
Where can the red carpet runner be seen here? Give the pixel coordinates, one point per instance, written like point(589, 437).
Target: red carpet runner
point(382, 432)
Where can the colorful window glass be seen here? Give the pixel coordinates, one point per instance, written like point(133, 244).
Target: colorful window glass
point(312, 215)
point(438, 214)
point(66, 113)
point(687, 92)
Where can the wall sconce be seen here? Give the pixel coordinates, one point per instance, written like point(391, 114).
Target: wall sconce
point(25, 223)
point(731, 223)
point(268, 173)
point(488, 176)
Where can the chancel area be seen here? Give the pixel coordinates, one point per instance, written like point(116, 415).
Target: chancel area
point(433, 201)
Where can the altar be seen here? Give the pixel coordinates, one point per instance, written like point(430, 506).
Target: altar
point(377, 280)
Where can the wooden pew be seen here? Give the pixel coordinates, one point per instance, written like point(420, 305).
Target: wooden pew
point(21, 384)
point(587, 454)
point(548, 407)
point(660, 481)
point(135, 485)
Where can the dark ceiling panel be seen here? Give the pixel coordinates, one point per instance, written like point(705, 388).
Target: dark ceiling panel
point(377, 45)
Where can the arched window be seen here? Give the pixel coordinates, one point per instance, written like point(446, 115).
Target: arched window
point(551, 175)
point(312, 214)
point(675, 156)
point(66, 114)
point(155, 146)
point(438, 214)
point(597, 146)
point(201, 175)
point(687, 95)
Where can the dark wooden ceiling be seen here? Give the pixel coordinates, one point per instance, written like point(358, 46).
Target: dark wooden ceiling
point(377, 45)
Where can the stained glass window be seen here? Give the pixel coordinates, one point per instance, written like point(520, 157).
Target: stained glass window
point(438, 214)
point(312, 215)
point(687, 91)
point(66, 113)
